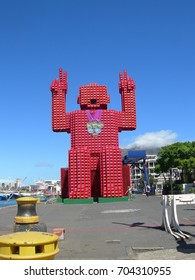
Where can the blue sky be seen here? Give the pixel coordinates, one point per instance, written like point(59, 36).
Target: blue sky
point(93, 40)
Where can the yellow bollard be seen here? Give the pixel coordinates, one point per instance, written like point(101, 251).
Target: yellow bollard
point(26, 218)
point(28, 246)
point(26, 211)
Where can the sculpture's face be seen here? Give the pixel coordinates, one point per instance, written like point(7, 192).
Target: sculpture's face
point(93, 96)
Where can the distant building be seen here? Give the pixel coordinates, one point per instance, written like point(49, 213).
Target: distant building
point(137, 174)
point(53, 186)
point(8, 183)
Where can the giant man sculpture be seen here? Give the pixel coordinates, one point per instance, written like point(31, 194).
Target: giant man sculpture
point(95, 159)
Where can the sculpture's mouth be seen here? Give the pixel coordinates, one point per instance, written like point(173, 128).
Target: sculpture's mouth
point(93, 101)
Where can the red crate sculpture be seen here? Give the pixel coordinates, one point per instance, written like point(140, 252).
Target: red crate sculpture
point(95, 159)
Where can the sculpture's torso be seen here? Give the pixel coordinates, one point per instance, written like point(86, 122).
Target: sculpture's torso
point(81, 136)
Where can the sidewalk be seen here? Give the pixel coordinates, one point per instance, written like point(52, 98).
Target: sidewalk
point(118, 230)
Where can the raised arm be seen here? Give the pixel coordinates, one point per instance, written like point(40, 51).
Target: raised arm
point(127, 91)
point(60, 119)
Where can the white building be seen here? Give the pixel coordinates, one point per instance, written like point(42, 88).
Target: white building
point(53, 186)
point(137, 173)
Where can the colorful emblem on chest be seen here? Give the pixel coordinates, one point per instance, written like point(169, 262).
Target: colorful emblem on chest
point(94, 125)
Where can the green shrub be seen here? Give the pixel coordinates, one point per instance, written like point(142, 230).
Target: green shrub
point(172, 189)
point(191, 190)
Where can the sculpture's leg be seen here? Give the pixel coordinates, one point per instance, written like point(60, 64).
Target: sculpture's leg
point(111, 172)
point(79, 176)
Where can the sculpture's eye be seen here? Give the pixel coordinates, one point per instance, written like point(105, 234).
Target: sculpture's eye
point(93, 101)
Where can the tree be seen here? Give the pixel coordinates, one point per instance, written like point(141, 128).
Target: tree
point(179, 155)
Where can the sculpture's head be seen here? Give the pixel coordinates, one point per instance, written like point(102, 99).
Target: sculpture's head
point(93, 96)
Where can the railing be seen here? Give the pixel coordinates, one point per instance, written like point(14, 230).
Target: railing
point(173, 227)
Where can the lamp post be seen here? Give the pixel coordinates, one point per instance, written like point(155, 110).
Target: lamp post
point(171, 183)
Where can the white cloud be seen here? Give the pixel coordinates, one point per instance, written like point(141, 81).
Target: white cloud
point(154, 139)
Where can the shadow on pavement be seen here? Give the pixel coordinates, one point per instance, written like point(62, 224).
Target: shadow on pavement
point(141, 225)
point(183, 247)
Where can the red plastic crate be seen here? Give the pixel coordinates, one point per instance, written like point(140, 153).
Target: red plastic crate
point(94, 152)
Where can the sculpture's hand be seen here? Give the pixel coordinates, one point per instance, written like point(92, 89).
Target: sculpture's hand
point(126, 84)
point(61, 83)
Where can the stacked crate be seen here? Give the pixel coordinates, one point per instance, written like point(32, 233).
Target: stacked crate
point(111, 172)
point(93, 92)
point(94, 155)
point(79, 173)
point(60, 120)
point(64, 182)
point(127, 91)
point(126, 178)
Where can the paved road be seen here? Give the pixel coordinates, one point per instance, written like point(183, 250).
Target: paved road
point(118, 230)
